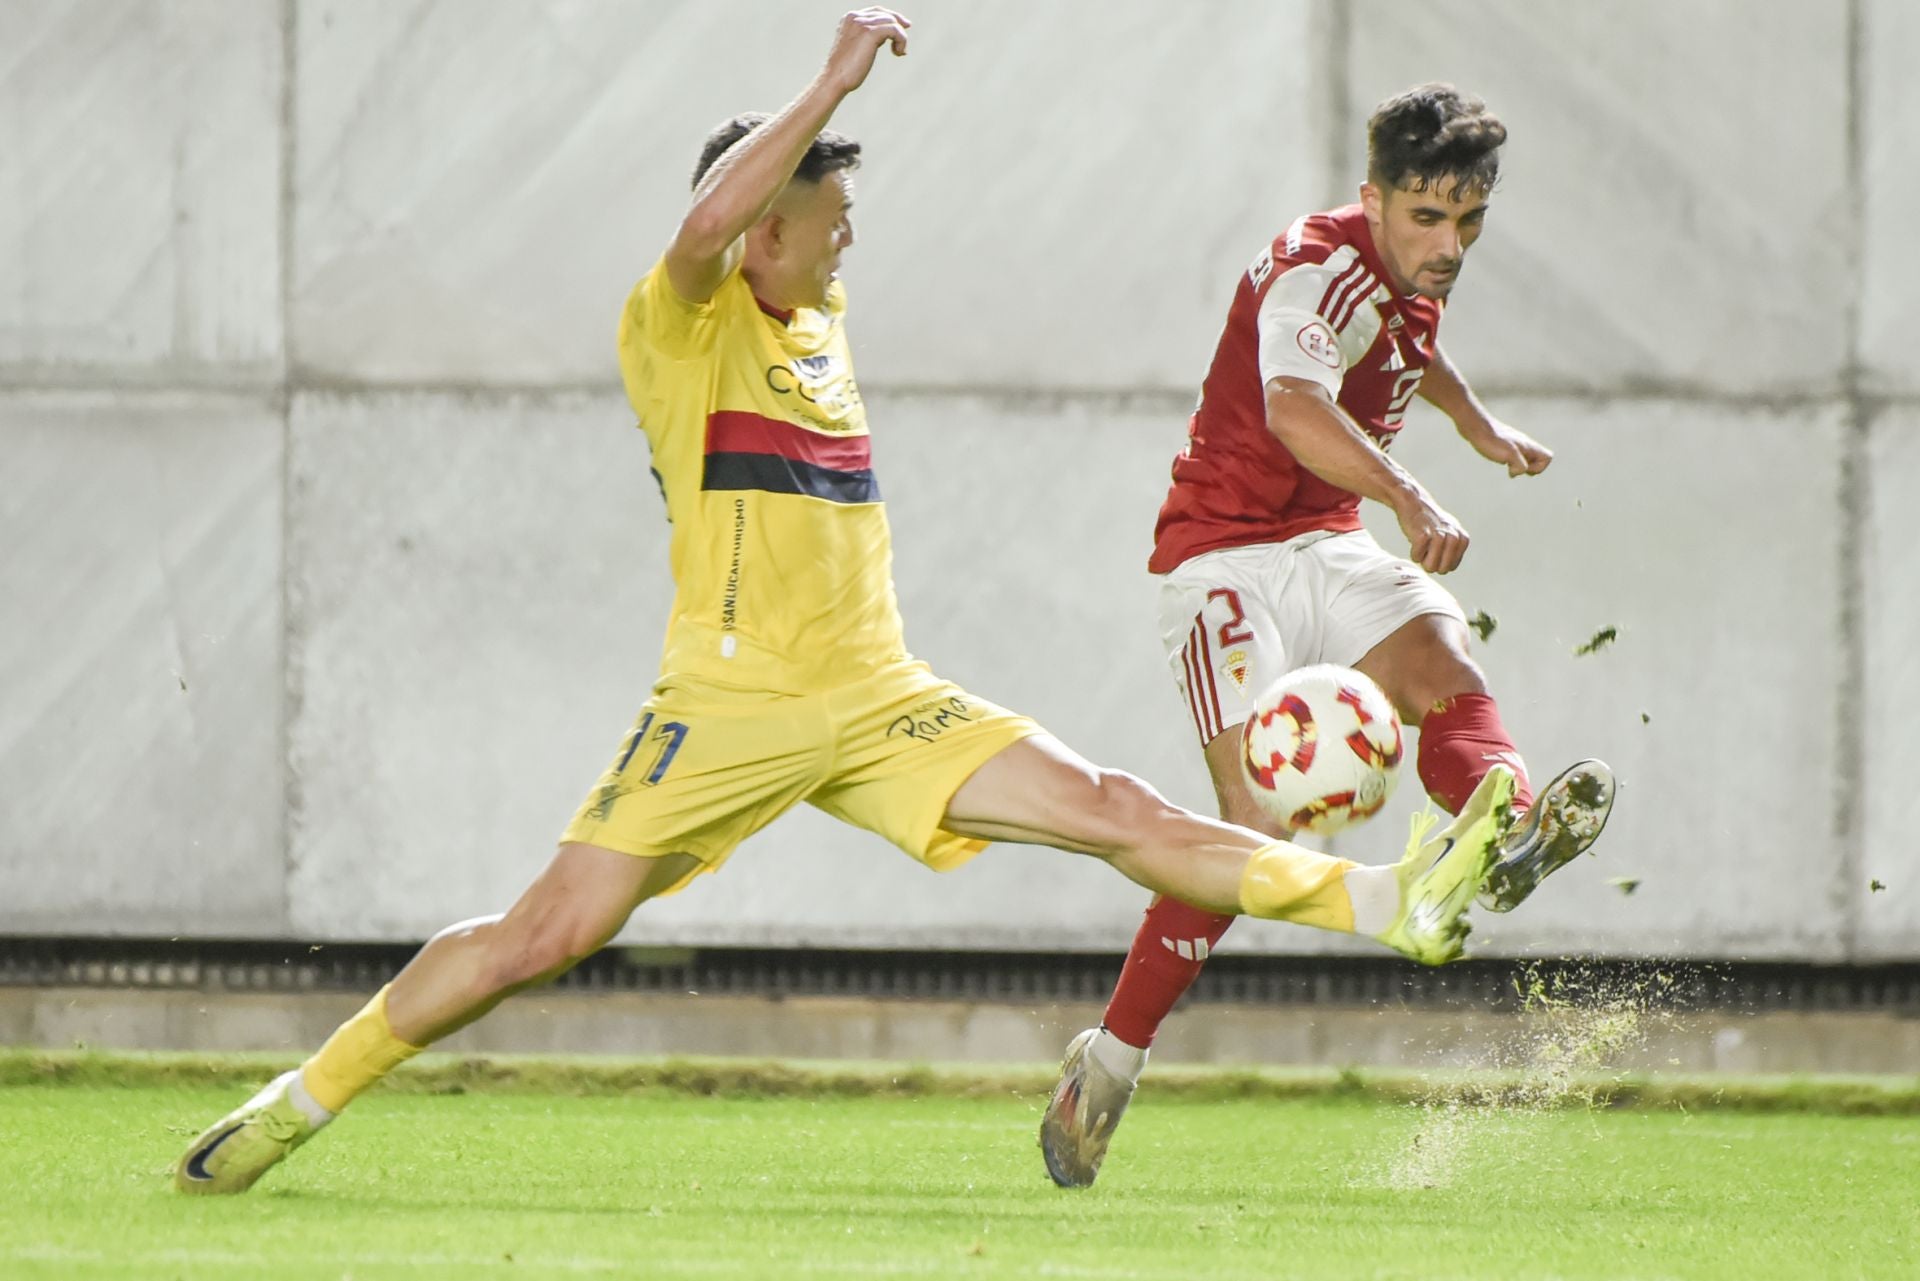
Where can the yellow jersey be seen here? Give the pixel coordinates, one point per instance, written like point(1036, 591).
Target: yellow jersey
point(782, 560)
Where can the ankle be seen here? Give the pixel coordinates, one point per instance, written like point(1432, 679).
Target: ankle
point(1117, 1057)
point(1375, 893)
point(302, 1098)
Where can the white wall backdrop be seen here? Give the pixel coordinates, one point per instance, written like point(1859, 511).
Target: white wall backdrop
point(331, 571)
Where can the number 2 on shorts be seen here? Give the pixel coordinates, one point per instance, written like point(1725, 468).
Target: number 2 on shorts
point(1234, 630)
point(671, 734)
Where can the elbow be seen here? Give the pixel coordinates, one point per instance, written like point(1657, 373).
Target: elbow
point(704, 233)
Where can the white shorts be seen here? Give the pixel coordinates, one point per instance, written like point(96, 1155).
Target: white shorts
point(1236, 620)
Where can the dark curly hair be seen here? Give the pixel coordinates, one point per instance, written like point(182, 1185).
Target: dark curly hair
point(828, 152)
point(1434, 136)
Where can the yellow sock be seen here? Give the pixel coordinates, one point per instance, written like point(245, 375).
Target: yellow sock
point(360, 1052)
point(1284, 882)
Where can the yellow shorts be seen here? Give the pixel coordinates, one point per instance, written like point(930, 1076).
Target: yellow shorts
point(706, 766)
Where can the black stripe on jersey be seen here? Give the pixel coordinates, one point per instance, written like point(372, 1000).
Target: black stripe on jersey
point(773, 474)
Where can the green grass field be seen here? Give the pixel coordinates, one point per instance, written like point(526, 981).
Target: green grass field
point(665, 1184)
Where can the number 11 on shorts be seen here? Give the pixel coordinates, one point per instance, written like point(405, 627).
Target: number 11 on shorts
point(669, 735)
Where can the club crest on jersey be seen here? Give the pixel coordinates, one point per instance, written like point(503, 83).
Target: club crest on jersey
point(1238, 669)
point(1318, 342)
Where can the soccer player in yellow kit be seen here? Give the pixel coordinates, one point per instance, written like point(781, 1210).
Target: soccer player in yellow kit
point(785, 675)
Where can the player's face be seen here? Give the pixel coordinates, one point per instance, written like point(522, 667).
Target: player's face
point(1424, 235)
point(816, 228)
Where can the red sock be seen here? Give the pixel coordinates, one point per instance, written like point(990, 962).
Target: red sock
point(1173, 944)
point(1459, 742)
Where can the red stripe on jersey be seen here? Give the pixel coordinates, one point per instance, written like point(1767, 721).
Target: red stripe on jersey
point(1360, 290)
point(1339, 285)
point(1343, 286)
point(734, 432)
point(1360, 296)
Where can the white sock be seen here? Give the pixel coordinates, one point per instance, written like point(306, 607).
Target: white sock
point(316, 1115)
point(1375, 894)
point(1116, 1056)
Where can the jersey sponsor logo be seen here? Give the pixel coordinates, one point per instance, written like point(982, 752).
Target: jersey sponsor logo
point(730, 598)
point(818, 381)
point(1317, 340)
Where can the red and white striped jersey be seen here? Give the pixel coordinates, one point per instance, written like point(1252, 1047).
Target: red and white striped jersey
point(1316, 304)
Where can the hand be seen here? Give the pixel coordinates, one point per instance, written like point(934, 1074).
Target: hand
point(1521, 453)
point(857, 43)
point(1435, 540)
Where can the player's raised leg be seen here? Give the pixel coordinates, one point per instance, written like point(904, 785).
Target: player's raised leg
point(579, 902)
point(1425, 668)
point(1039, 792)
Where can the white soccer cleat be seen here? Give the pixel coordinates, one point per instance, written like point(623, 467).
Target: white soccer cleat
point(1082, 1115)
point(1440, 876)
point(1565, 820)
point(247, 1142)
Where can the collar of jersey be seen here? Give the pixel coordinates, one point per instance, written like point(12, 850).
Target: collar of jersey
point(784, 317)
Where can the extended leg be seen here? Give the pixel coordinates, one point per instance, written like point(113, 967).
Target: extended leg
point(1425, 669)
point(1039, 792)
point(579, 902)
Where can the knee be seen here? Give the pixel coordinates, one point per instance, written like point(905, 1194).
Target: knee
point(1122, 810)
point(1445, 674)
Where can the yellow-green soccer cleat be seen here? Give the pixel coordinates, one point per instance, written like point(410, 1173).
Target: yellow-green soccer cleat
point(247, 1142)
point(1563, 823)
point(1440, 877)
point(1082, 1115)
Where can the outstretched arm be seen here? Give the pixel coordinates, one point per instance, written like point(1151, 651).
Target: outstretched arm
point(1447, 391)
point(1333, 447)
point(735, 193)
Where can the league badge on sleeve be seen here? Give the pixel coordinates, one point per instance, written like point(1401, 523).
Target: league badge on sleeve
point(1317, 340)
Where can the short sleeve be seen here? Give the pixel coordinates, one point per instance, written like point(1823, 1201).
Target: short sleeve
point(659, 319)
point(1298, 343)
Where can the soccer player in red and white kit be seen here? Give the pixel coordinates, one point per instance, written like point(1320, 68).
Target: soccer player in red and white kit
point(1332, 332)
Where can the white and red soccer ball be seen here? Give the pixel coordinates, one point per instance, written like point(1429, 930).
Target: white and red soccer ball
point(1322, 749)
